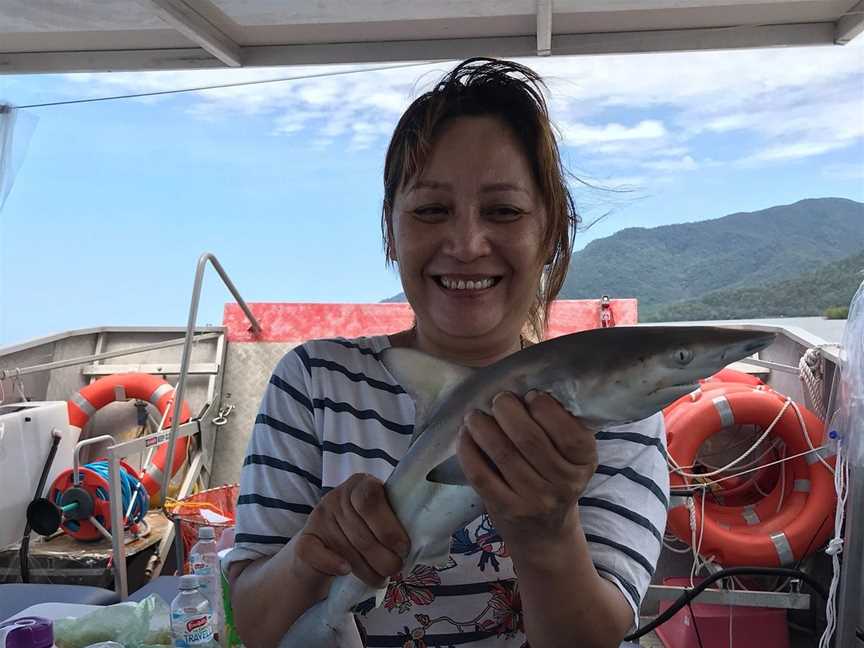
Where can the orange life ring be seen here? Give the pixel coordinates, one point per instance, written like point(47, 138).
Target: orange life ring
point(671, 412)
point(145, 387)
point(733, 376)
point(758, 534)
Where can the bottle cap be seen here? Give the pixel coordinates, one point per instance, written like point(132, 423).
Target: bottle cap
point(27, 632)
point(206, 533)
point(189, 582)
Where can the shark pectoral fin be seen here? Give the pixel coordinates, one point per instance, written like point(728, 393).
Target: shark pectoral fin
point(380, 594)
point(425, 378)
point(448, 472)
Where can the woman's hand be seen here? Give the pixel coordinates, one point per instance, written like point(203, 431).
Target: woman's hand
point(353, 529)
point(543, 458)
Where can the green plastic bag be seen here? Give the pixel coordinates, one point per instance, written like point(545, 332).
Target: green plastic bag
point(135, 625)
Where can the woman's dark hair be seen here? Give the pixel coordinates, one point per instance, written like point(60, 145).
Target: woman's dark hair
point(512, 93)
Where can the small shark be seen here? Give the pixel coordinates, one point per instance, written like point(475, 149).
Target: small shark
point(605, 377)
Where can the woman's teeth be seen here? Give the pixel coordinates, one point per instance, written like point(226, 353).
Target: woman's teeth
point(460, 284)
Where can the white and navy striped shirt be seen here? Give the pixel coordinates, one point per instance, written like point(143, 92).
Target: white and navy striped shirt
point(332, 409)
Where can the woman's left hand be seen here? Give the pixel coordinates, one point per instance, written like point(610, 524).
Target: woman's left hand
point(544, 459)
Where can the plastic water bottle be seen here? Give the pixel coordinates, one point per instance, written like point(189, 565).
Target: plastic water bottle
point(204, 563)
point(191, 622)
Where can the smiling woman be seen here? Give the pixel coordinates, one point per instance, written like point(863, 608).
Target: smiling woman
point(478, 218)
point(479, 149)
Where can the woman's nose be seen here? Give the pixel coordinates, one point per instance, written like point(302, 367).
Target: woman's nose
point(467, 236)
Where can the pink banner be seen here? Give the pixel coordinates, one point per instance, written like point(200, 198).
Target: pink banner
point(293, 322)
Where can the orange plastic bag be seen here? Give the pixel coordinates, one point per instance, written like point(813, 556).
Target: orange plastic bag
point(214, 507)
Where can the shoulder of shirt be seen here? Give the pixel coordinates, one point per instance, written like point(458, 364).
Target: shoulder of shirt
point(361, 348)
point(653, 426)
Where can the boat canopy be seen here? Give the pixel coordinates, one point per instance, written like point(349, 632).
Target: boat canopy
point(45, 36)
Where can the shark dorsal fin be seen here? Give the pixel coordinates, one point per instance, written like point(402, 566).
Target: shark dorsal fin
point(426, 378)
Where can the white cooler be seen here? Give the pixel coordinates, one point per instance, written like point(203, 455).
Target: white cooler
point(25, 440)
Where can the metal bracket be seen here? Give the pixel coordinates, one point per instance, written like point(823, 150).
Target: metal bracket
point(544, 27)
point(156, 368)
point(745, 598)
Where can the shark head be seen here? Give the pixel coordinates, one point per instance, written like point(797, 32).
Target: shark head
point(647, 368)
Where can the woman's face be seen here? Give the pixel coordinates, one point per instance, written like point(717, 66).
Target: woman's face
point(467, 235)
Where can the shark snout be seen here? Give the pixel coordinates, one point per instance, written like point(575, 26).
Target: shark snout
point(757, 344)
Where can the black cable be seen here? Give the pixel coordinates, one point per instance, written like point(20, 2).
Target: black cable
point(689, 595)
point(222, 85)
point(859, 633)
point(695, 625)
point(24, 551)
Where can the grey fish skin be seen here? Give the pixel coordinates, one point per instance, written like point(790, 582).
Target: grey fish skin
point(606, 377)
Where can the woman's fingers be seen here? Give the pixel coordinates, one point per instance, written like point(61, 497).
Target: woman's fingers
point(369, 500)
point(482, 475)
point(573, 441)
point(531, 437)
point(516, 471)
point(312, 551)
point(382, 559)
point(355, 523)
point(338, 540)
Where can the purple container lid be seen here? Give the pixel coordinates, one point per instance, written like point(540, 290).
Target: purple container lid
point(27, 632)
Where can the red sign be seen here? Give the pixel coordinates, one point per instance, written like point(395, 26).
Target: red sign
point(296, 322)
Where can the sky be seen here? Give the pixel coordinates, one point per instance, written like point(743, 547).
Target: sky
point(113, 202)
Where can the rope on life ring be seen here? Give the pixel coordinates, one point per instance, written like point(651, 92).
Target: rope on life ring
point(120, 387)
point(782, 527)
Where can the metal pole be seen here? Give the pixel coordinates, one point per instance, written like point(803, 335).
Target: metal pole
point(118, 544)
point(187, 354)
point(256, 327)
point(82, 444)
point(5, 374)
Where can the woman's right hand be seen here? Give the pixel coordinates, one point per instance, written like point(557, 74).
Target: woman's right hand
point(353, 529)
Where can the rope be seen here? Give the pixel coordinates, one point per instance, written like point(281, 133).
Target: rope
point(810, 369)
point(678, 469)
point(835, 546)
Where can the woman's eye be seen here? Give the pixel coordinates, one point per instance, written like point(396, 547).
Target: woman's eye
point(430, 213)
point(504, 213)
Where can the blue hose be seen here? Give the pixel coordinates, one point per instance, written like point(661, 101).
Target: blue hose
point(131, 489)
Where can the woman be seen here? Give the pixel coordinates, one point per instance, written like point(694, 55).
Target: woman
point(478, 218)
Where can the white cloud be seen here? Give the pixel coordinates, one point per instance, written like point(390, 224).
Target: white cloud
point(579, 134)
point(646, 112)
point(684, 163)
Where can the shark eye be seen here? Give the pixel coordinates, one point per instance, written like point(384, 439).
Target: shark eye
point(682, 356)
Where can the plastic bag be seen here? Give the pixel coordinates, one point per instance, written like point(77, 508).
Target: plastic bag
point(215, 507)
point(847, 402)
point(135, 625)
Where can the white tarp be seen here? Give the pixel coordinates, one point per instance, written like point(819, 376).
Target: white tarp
point(14, 135)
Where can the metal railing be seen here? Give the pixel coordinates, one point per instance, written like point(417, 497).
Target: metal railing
point(180, 388)
point(5, 374)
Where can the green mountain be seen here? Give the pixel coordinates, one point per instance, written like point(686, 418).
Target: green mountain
point(810, 293)
point(685, 261)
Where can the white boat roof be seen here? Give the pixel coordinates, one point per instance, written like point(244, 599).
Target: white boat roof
point(110, 35)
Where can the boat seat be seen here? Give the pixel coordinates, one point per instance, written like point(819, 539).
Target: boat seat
point(165, 586)
point(15, 597)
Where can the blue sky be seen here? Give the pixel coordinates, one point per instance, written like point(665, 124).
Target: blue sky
point(114, 201)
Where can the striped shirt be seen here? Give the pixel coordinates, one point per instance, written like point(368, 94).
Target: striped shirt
point(331, 409)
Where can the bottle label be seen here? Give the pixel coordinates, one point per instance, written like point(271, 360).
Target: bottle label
point(195, 630)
